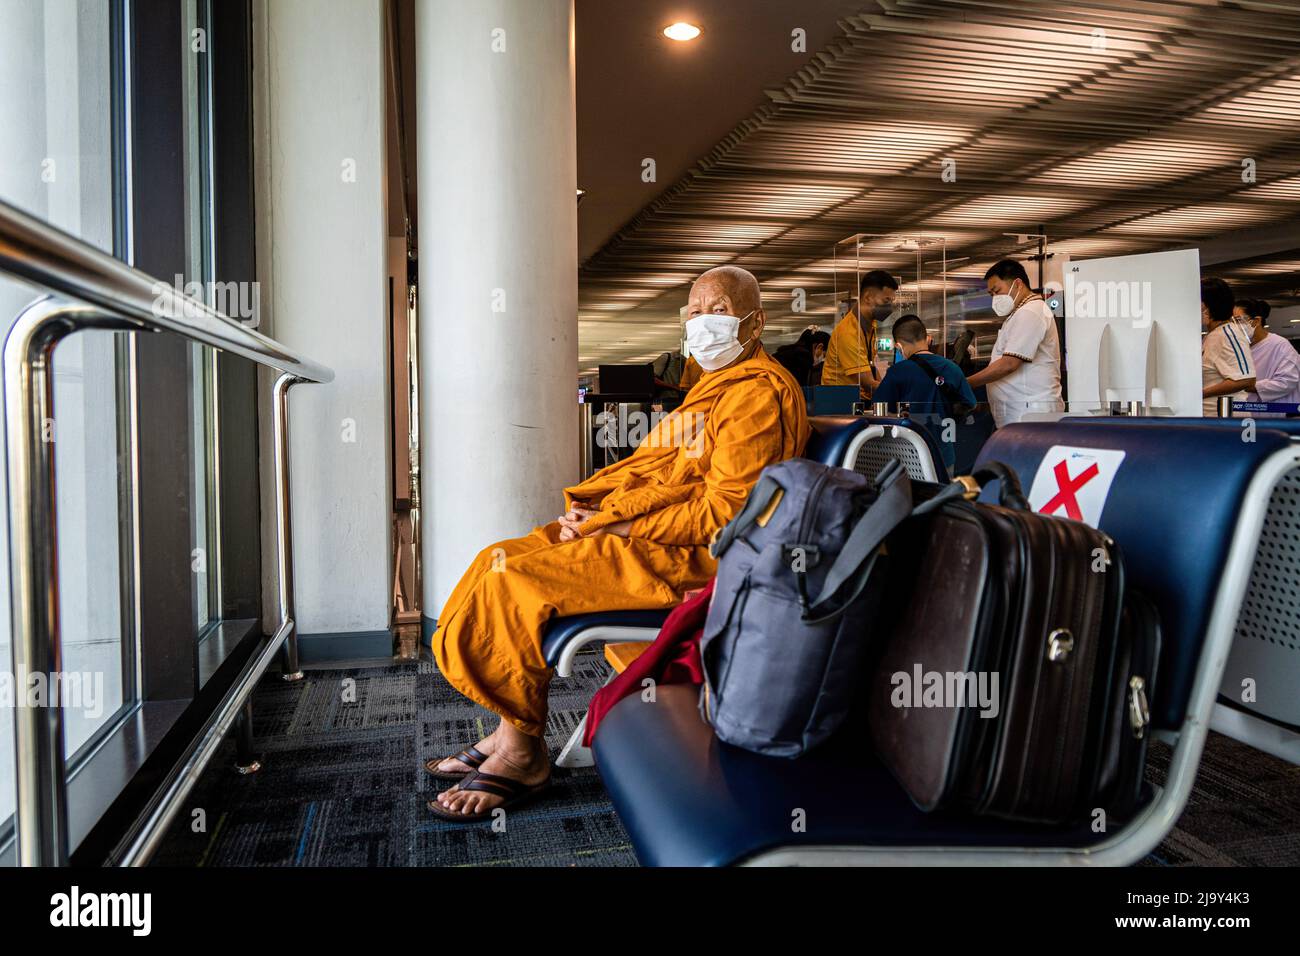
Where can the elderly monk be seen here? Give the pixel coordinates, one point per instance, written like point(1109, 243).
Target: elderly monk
point(635, 536)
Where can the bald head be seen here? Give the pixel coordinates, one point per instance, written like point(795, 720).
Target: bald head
point(730, 290)
point(738, 286)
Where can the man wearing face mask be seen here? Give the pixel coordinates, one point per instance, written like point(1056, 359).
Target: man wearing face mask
point(634, 536)
point(851, 354)
point(1024, 373)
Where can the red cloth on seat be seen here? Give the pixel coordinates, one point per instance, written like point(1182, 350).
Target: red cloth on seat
point(673, 658)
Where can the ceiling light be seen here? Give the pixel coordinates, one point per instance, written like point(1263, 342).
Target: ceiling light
point(681, 31)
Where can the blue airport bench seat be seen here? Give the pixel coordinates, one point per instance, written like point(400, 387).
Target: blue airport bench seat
point(1266, 649)
point(687, 799)
point(565, 636)
point(1186, 508)
point(854, 442)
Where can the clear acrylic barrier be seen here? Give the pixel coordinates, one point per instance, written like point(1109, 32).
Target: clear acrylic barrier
point(919, 264)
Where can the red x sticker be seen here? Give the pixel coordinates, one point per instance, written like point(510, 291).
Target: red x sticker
point(1075, 482)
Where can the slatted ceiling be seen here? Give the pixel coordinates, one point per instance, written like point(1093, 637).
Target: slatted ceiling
point(844, 147)
point(796, 201)
point(1273, 106)
point(1198, 222)
point(1091, 249)
point(1006, 208)
point(722, 233)
point(1135, 17)
point(1133, 148)
point(1291, 265)
point(1285, 190)
point(1143, 162)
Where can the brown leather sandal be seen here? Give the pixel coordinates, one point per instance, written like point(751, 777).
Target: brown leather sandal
point(472, 757)
point(515, 792)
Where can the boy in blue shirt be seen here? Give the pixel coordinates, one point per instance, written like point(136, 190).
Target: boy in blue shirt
point(935, 387)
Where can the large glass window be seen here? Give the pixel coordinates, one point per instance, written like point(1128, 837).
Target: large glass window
point(201, 278)
point(56, 162)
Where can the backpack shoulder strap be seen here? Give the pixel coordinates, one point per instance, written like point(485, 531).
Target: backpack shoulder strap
point(946, 388)
point(765, 493)
point(893, 504)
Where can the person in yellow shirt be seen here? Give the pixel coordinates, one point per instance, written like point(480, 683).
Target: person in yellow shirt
point(633, 536)
point(850, 357)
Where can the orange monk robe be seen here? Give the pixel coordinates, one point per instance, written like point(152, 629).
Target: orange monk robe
point(848, 355)
point(691, 375)
point(678, 488)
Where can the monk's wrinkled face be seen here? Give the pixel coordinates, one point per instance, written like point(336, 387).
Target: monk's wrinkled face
point(719, 297)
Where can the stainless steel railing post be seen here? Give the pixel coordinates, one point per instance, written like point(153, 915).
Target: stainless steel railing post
point(291, 669)
point(41, 808)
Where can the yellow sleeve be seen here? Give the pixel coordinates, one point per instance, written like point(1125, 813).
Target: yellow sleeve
point(747, 438)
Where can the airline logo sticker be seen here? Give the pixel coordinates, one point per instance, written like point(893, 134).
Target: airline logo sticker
point(1074, 482)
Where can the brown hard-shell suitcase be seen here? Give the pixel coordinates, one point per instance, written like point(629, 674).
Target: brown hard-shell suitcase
point(1014, 626)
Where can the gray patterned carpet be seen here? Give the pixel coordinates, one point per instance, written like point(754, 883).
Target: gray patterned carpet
point(342, 785)
point(1244, 809)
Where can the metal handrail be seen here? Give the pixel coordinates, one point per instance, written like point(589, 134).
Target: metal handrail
point(110, 295)
point(51, 258)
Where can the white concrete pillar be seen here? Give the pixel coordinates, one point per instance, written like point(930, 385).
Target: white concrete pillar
point(498, 274)
point(323, 266)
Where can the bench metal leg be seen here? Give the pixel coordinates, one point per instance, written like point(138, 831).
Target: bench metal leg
point(246, 761)
point(573, 753)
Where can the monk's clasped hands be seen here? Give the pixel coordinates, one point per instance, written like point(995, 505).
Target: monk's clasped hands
point(571, 521)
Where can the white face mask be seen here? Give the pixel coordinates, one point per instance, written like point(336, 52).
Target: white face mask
point(1004, 304)
point(713, 340)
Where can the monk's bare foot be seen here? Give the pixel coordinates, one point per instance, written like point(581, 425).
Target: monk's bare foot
point(484, 746)
point(519, 758)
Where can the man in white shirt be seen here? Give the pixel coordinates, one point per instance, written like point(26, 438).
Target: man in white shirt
point(1226, 364)
point(1024, 374)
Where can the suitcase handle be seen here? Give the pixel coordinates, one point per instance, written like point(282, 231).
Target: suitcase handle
point(1009, 493)
point(970, 486)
